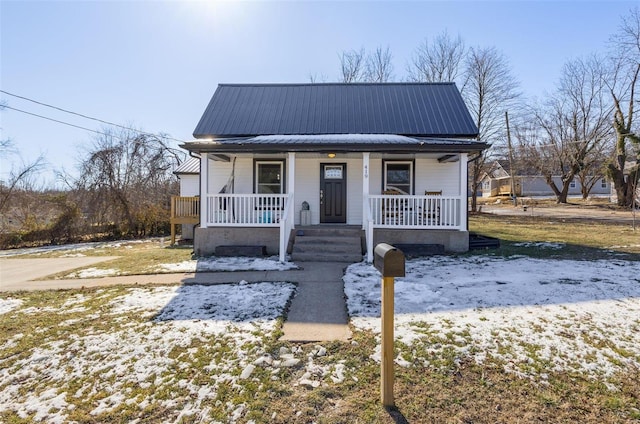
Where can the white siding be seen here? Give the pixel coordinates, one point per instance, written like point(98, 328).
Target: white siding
point(432, 175)
point(219, 173)
point(189, 185)
point(375, 176)
point(354, 191)
point(307, 188)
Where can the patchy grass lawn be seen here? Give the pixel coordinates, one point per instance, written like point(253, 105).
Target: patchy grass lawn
point(546, 329)
point(572, 238)
point(476, 342)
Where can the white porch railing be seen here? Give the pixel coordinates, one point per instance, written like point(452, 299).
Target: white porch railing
point(428, 212)
point(245, 210)
point(286, 225)
point(411, 212)
point(253, 210)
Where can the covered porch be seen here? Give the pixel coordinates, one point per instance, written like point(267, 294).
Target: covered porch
point(435, 209)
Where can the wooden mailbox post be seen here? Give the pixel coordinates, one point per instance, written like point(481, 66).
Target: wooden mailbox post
point(390, 262)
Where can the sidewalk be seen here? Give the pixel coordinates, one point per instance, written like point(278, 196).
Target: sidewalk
point(317, 312)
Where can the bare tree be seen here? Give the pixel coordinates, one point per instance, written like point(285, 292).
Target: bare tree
point(128, 178)
point(623, 84)
point(573, 128)
point(20, 176)
point(315, 78)
point(378, 66)
point(438, 61)
point(593, 171)
point(352, 65)
point(489, 89)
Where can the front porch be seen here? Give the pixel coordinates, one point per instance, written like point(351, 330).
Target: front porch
point(251, 198)
point(269, 220)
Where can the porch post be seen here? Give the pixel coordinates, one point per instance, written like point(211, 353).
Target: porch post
point(289, 223)
point(291, 176)
point(366, 225)
point(464, 198)
point(365, 188)
point(204, 188)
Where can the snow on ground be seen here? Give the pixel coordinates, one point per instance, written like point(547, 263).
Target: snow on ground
point(541, 245)
point(142, 347)
point(141, 352)
point(94, 273)
point(566, 315)
point(77, 247)
point(226, 264)
point(7, 305)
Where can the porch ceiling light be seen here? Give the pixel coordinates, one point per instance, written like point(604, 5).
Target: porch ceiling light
point(331, 155)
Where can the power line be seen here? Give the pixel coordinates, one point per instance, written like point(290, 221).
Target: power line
point(82, 116)
point(59, 122)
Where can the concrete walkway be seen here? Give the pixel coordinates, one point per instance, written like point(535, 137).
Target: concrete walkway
point(318, 311)
point(16, 274)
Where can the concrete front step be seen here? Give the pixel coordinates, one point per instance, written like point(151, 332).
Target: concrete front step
point(328, 240)
point(321, 249)
point(327, 244)
point(325, 257)
point(328, 231)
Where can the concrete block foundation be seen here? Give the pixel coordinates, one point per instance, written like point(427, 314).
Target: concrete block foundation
point(207, 239)
point(453, 241)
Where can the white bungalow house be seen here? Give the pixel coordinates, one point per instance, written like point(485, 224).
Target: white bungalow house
point(278, 161)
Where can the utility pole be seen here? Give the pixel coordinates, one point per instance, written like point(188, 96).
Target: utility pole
point(511, 171)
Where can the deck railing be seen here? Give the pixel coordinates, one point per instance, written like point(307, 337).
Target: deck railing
point(185, 207)
point(402, 211)
point(184, 210)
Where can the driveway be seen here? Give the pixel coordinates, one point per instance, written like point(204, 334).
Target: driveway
point(15, 274)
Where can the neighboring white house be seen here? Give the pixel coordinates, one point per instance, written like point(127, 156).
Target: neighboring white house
point(497, 182)
point(389, 158)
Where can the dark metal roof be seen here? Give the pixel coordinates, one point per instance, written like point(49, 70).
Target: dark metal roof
point(412, 109)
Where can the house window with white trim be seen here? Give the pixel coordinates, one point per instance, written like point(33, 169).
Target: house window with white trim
point(269, 177)
point(398, 176)
point(572, 184)
point(603, 183)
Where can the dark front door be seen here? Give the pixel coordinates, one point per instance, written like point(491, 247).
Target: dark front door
point(333, 193)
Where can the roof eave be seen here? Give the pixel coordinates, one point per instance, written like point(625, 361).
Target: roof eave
point(209, 147)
